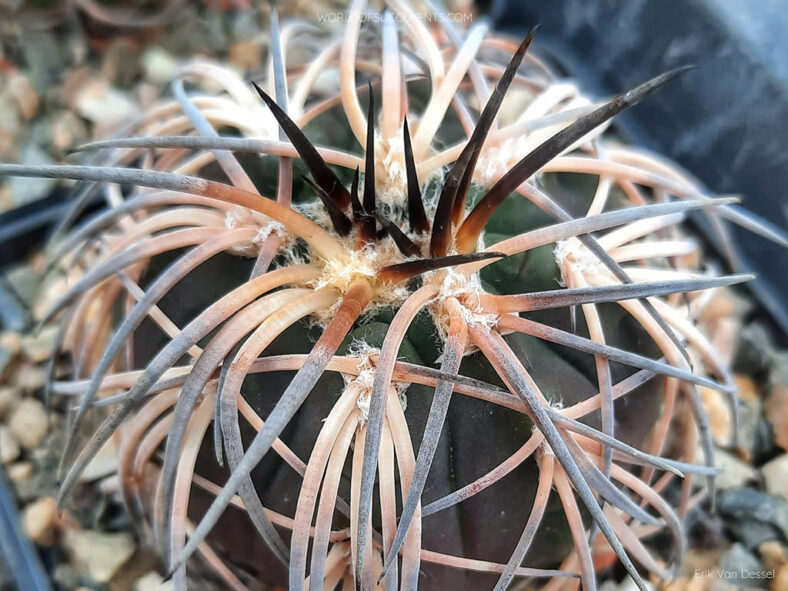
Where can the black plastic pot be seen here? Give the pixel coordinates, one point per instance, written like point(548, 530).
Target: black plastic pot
point(726, 122)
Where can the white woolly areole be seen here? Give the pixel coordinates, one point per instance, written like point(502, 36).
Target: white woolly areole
point(456, 284)
point(460, 286)
point(340, 273)
point(391, 179)
point(315, 211)
point(271, 227)
point(363, 263)
point(572, 254)
point(495, 161)
point(241, 216)
point(364, 381)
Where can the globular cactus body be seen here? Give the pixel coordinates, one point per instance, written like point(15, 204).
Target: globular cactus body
point(439, 372)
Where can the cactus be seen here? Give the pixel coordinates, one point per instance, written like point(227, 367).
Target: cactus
point(405, 303)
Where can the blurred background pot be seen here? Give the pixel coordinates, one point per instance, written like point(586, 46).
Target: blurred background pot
point(726, 122)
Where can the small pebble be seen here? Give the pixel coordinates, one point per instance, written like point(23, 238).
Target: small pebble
point(748, 389)
point(734, 473)
point(754, 350)
point(121, 63)
point(31, 379)
point(102, 554)
point(752, 513)
point(776, 411)
point(25, 280)
point(724, 337)
point(247, 55)
point(104, 105)
point(67, 576)
point(775, 475)
point(44, 56)
point(781, 579)
point(27, 99)
point(10, 125)
point(40, 521)
point(700, 560)
point(29, 423)
point(10, 341)
point(103, 464)
point(158, 66)
point(73, 83)
point(719, 412)
point(38, 347)
point(750, 419)
point(8, 397)
point(68, 131)
point(773, 555)
point(738, 560)
point(20, 472)
point(146, 94)
point(9, 446)
point(27, 190)
point(153, 581)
